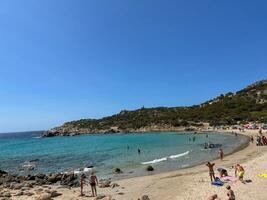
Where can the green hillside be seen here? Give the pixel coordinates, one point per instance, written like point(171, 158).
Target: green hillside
point(249, 104)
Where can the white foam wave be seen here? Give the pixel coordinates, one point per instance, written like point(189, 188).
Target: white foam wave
point(155, 161)
point(37, 137)
point(166, 158)
point(179, 155)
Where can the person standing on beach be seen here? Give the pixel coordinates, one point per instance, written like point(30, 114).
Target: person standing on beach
point(251, 139)
point(211, 170)
point(239, 171)
point(81, 183)
point(221, 154)
point(93, 182)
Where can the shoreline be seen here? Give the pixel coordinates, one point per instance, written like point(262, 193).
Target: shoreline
point(178, 184)
point(241, 147)
point(137, 172)
point(184, 182)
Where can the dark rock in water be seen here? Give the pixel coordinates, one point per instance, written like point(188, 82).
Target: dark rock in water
point(117, 171)
point(149, 168)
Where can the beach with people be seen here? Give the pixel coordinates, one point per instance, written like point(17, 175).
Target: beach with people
point(189, 183)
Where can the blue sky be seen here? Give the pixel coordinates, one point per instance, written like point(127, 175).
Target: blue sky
point(67, 59)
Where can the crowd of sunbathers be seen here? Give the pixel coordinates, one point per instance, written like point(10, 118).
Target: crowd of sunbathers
point(224, 177)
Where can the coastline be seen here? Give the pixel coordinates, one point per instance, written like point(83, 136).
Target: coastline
point(187, 183)
point(193, 182)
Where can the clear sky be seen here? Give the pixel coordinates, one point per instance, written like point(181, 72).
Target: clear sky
point(62, 60)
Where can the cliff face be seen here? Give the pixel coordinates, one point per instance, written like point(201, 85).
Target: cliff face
point(249, 104)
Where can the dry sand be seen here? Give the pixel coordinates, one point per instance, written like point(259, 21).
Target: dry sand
point(191, 183)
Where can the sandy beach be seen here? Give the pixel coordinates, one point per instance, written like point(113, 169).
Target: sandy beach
point(185, 184)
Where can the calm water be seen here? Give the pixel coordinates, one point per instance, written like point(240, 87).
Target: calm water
point(165, 151)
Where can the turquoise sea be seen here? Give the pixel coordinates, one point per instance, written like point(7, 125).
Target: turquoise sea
point(164, 151)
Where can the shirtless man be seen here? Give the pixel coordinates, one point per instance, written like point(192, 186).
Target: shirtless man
point(93, 182)
point(239, 171)
point(221, 154)
point(211, 170)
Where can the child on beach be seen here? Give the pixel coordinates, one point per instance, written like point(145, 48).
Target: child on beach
point(211, 170)
point(221, 154)
point(239, 171)
point(93, 182)
point(230, 193)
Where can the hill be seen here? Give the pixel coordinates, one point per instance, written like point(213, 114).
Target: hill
point(249, 104)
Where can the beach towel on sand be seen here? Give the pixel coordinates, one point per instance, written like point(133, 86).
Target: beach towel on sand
point(229, 179)
point(262, 175)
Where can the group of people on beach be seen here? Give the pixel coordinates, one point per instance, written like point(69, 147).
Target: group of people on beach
point(239, 173)
point(261, 140)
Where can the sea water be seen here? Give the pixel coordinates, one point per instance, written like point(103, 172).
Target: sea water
point(164, 151)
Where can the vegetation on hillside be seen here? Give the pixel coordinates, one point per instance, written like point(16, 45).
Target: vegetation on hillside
point(249, 104)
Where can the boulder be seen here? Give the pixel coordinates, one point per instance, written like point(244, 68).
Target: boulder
point(69, 179)
point(149, 168)
point(53, 178)
point(2, 172)
point(28, 184)
point(27, 193)
point(15, 186)
point(40, 176)
point(30, 177)
point(6, 194)
point(20, 193)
